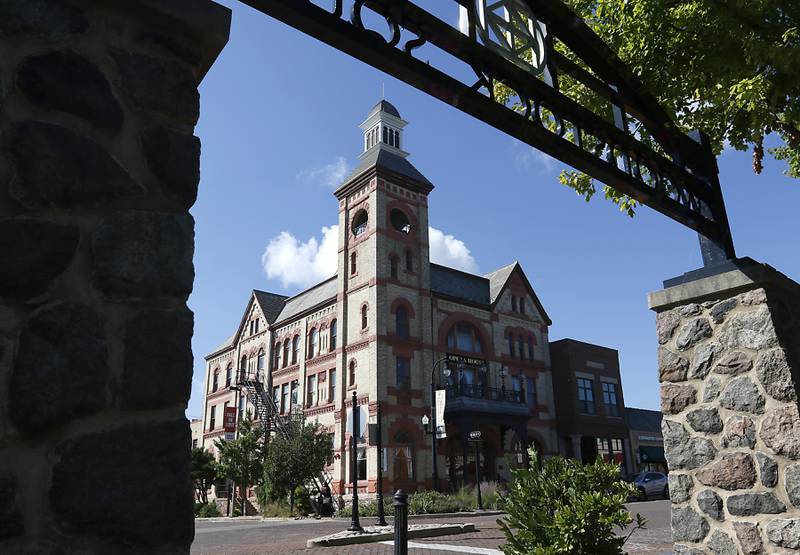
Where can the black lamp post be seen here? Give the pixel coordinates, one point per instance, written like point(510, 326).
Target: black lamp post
point(429, 424)
point(355, 525)
point(475, 439)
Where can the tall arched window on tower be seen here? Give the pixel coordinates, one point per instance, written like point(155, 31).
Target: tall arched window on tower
point(215, 381)
point(353, 266)
point(295, 349)
point(333, 335)
point(286, 353)
point(385, 134)
point(409, 261)
point(351, 375)
point(401, 322)
point(278, 354)
point(243, 368)
point(364, 317)
point(393, 264)
point(228, 374)
point(464, 337)
point(313, 338)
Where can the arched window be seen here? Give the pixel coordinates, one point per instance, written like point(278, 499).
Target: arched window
point(333, 335)
point(353, 266)
point(278, 354)
point(364, 317)
point(530, 348)
point(260, 363)
point(351, 377)
point(313, 337)
point(243, 367)
point(286, 353)
point(215, 381)
point(401, 322)
point(403, 457)
point(295, 349)
point(228, 375)
point(360, 222)
point(521, 344)
point(409, 261)
point(385, 134)
point(465, 337)
point(393, 266)
point(511, 345)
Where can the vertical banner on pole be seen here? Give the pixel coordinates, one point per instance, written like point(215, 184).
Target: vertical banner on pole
point(441, 400)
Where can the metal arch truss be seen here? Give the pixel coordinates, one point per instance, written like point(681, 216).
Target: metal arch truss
point(511, 42)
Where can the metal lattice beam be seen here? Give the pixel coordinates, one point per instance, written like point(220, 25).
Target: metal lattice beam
point(678, 179)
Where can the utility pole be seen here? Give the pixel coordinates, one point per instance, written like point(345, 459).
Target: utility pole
point(355, 525)
point(379, 494)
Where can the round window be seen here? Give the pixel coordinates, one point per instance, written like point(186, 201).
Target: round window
point(360, 223)
point(400, 221)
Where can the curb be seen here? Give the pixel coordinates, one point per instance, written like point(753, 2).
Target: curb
point(455, 515)
point(444, 530)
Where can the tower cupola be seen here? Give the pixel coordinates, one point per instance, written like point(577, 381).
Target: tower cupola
point(383, 129)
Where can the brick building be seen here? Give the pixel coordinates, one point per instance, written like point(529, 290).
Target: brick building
point(383, 325)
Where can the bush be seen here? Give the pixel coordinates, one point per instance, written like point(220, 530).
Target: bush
point(427, 502)
point(565, 507)
point(367, 508)
point(302, 500)
point(206, 510)
point(275, 509)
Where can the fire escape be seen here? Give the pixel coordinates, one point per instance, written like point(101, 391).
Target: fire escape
point(269, 415)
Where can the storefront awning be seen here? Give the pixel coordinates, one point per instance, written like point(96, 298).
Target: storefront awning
point(651, 454)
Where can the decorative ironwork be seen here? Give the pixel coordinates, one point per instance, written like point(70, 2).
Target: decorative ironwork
point(511, 42)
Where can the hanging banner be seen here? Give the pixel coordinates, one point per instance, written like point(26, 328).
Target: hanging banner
point(229, 419)
point(441, 400)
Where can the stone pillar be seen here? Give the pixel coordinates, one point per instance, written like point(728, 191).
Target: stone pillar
point(98, 169)
point(729, 366)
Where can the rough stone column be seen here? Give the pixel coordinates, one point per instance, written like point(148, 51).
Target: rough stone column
point(729, 366)
point(98, 169)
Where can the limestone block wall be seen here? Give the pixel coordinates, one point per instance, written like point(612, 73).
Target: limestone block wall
point(729, 380)
point(98, 168)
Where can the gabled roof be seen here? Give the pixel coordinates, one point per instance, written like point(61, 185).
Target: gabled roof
point(499, 278)
point(459, 285)
point(643, 420)
point(225, 345)
point(308, 299)
point(380, 156)
point(271, 304)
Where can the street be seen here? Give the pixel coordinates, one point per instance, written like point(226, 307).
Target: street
point(289, 536)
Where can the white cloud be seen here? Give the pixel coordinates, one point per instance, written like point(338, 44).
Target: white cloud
point(330, 175)
point(303, 264)
point(449, 251)
point(526, 156)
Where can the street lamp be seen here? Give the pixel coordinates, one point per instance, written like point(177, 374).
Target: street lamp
point(429, 424)
point(475, 439)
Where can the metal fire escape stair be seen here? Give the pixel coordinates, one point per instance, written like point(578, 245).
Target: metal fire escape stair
point(268, 413)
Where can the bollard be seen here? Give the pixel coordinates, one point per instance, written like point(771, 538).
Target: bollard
point(400, 523)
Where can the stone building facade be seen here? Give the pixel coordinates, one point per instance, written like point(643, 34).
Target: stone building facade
point(729, 346)
point(379, 326)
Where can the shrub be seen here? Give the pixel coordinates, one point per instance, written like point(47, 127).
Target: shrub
point(206, 510)
point(565, 507)
point(302, 500)
point(275, 509)
point(427, 502)
point(367, 508)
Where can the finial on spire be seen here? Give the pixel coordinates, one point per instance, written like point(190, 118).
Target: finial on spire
point(383, 91)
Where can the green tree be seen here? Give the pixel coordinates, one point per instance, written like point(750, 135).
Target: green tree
point(565, 507)
point(203, 472)
point(240, 459)
point(295, 460)
point(727, 67)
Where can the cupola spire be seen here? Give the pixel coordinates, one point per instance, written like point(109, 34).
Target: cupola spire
point(383, 128)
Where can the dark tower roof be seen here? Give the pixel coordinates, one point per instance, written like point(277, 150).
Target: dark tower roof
point(385, 106)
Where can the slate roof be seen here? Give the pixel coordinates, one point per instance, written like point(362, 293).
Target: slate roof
point(380, 156)
point(316, 295)
point(498, 279)
point(270, 303)
point(386, 106)
point(643, 420)
point(226, 344)
point(460, 285)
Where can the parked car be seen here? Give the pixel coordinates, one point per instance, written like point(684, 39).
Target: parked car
point(651, 484)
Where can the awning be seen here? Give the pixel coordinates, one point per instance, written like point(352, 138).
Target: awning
point(651, 453)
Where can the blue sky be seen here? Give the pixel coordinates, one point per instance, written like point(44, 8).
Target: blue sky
point(279, 117)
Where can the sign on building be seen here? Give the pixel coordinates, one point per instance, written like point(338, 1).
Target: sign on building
point(441, 400)
point(229, 422)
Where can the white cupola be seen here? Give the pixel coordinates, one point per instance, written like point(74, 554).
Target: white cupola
point(383, 129)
